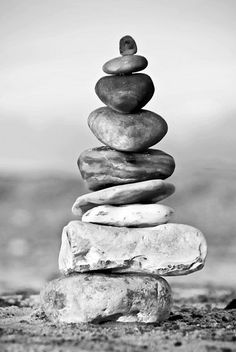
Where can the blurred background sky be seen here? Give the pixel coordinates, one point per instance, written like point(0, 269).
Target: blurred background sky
point(51, 57)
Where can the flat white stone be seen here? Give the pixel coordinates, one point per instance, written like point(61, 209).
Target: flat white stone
point(169, 249)
point(97, 298)
point(131, 215)
point(151, 191)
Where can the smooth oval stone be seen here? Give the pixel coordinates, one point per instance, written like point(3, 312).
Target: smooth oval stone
point(166, 250)
point(127, 132)
point(139, 192)
point(127, 93)
point(131, 215)
point(96, 298)
point(125, 64)
point(127, 45)
point(104, 167)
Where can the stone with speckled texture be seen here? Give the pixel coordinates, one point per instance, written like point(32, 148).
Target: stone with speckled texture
point(98, 298)
point(131, 215)
point(169, 249)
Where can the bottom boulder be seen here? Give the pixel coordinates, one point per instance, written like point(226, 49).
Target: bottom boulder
point(96, 298)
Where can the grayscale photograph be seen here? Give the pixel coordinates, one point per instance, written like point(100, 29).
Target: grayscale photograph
point(117, 176)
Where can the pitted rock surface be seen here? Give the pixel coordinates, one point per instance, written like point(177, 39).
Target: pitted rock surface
point(169, 249)
point(131, 215)
point(98, 298)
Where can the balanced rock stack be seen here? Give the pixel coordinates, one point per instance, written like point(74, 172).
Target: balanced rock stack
point(114, 255)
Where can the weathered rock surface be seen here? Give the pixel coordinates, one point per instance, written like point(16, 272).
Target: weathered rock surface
point(197, 323)
point(127, 132)
point(125, 64)
point(170, 249)
point(104, 167)
point(139, 192)
point(127, 93)
point(132, 215)
point(97, 298)
point(128, 45)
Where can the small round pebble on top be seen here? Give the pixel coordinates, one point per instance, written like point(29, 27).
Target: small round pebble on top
point(128, 45)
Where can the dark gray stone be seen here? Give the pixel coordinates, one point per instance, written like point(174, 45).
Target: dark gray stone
point(104, 167)
point(127, 132)
point(128, 45)
point(125, 94)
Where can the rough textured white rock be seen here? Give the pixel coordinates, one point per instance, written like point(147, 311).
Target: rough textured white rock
point(97, 298)
point(170, 249)
point(131, 215)
point(151, 191)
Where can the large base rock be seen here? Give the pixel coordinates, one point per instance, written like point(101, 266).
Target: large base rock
point(97, 297)
point(170, 249)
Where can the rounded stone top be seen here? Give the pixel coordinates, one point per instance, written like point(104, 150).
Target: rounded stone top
point(127, 45)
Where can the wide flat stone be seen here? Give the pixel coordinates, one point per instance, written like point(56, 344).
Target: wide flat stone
point(97, 298)
point(125, 64)
point(127, 93)
point(131, 215)
point(104, 167)
point(170, 249)
point(139, 192)
point(127, 132)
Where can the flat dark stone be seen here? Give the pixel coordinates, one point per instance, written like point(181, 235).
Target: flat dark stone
point(104, 167)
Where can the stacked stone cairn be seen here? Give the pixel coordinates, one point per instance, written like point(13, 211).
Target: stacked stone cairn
point(114, 256)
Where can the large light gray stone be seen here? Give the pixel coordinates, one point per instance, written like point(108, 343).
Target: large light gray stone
point(151, 191)
point(97, 298)
point(131, 215)
point(170, 249)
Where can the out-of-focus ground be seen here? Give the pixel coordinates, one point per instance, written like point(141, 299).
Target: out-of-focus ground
point(34, 209)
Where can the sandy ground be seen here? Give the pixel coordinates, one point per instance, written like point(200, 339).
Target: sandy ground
point(198, 322)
